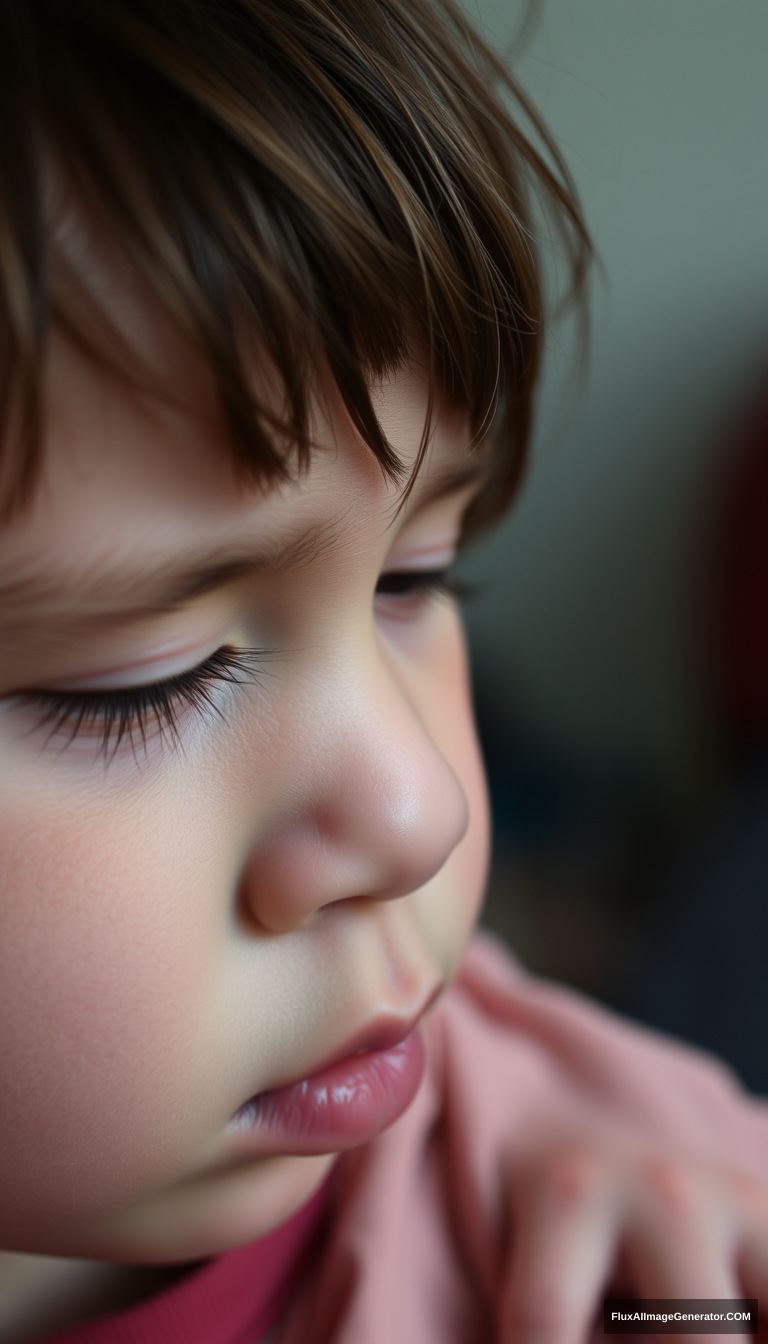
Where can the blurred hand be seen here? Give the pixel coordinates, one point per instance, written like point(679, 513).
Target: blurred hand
point(587, 1225)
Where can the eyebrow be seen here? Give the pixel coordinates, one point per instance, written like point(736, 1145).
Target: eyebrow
point(119, 594)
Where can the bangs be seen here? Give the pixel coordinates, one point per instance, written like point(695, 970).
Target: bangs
point(322, 178)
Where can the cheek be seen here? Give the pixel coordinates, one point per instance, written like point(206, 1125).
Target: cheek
point(107, 960)
point(116, 948)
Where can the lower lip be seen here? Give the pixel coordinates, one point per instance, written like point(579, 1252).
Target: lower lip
point(347, 1103)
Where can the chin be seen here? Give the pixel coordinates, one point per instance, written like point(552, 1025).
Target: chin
point(218, 1211)
point(203, 1216)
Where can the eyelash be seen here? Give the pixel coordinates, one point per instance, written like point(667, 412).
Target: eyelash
point(422, 583)
point(120, 715)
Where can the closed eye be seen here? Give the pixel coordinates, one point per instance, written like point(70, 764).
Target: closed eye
point(421, 583)
point(125, 713)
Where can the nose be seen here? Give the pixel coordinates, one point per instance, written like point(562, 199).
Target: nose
point(374, 812)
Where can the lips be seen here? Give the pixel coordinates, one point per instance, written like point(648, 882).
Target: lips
point(345, 1103)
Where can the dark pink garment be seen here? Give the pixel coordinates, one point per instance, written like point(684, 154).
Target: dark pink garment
point(235, 1298)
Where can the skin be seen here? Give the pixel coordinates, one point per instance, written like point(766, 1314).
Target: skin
point(189, 921)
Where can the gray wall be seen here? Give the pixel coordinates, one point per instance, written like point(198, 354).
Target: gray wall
point(586, 628)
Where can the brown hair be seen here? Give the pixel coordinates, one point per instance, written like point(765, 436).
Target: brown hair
point(323, 173)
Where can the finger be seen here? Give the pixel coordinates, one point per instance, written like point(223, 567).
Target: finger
point(751, 1237)
point(678, 1237)
point(565, 1234)
point(679, 1234)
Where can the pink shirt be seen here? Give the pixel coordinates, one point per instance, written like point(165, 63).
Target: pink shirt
point(416, 1246)
point(234, 1298)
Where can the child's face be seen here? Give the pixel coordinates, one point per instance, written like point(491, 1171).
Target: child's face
point(191, 920)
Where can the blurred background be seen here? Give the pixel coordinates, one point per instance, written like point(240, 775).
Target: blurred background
point(619, 631)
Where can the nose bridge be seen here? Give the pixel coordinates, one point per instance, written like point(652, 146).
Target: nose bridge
point(377, 809)
point(388, 785)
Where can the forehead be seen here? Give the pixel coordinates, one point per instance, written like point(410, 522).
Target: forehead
point(137, 455)
point(139, 498)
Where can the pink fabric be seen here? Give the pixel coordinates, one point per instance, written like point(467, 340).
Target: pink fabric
point(416, 1248)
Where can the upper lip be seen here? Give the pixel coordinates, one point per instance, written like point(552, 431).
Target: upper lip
point(383, 1033)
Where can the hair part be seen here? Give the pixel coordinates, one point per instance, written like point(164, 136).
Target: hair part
point(327, 176)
